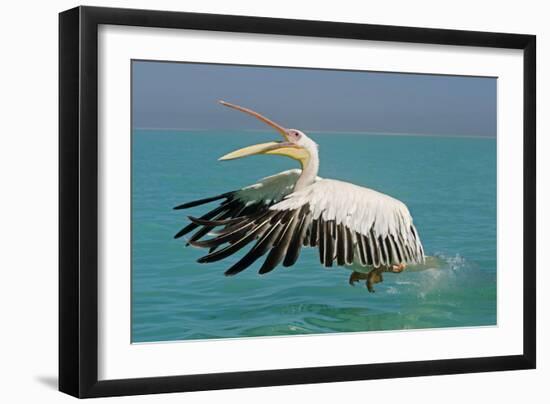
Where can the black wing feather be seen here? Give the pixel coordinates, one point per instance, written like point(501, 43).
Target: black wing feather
point(232, 248)
point(279, 249)
point(204, 201)
point(298, 238)
point(192, 226)
point(349, 248)
point(341, 245)
point(260, 248)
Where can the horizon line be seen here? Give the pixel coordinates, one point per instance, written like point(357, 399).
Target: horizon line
point(324, 132)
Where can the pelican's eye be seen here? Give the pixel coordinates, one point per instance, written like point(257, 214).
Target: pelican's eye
point(295, 135)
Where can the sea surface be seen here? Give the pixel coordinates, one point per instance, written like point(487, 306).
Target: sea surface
point(448, 183)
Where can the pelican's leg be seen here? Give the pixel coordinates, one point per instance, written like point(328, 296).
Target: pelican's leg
point(374, 277)
point(356, 277)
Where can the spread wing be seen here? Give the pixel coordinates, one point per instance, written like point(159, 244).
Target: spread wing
point(242, 203)
point(346, 223)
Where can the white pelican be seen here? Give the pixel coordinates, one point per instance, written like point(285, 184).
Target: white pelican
point(352, 226)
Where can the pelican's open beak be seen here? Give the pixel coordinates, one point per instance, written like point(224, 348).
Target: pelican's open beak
point(262, 148)
point(262, 118)
point(285, 148)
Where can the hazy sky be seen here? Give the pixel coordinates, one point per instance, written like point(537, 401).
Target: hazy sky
point(184, 96)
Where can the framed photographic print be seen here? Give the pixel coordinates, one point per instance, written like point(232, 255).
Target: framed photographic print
point(251, 201)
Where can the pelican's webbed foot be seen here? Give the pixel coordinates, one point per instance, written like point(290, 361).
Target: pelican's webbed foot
point(372, 277)
point(398, 268)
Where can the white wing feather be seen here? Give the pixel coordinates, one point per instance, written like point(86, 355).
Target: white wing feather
point(360, 209)
point(270, 190)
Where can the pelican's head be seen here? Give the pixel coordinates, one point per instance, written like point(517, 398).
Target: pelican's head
point(296, 144)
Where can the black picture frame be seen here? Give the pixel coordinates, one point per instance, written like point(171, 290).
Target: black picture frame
point(78, 201)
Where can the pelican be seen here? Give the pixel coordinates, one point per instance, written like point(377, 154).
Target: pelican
point(350, 225)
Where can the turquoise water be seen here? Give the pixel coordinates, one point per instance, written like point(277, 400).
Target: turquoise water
point(448, 183)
